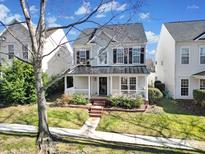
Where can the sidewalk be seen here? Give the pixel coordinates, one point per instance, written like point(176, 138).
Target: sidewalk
point(106, 136)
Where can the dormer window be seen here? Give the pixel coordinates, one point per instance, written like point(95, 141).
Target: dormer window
point(136, 56)
point(25, 51)
point(82, 56)
point(120, 55)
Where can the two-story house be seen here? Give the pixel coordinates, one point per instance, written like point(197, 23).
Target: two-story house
point(55, 63)
point(180, 57)
point(110, 61)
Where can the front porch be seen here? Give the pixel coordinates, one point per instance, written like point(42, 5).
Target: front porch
point(109, 85)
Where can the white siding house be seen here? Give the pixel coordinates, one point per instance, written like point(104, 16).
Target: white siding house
point(55, 63)
point(110, 61)
point(180, 58)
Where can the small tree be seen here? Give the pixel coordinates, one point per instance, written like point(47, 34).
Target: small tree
point(18, 83)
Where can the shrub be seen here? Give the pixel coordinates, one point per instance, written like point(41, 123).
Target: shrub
point(161, 86)
point(65, 99)
point(154, 95)
point(199, 96)
point(79, 99)
point(18, 83)
point(125, 102)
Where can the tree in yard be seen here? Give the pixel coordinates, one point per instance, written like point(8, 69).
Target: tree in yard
point(37, 37)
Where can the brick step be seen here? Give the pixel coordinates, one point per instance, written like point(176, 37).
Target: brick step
point(98, 103)
point(95, 111)
point(95, 115)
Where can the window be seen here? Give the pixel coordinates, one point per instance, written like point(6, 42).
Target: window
point(82, 55)
point(136, 55)
point(25, 51)
point(185, 56)
point(103, 58)
point(184, 87)
point(124, 83)
point(120, 55)
point(202, 55)
point(132, 83)
point(202, 84)
point(11, 51)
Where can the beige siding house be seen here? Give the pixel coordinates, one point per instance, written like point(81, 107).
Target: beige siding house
point(110, 61)
point(55, 63)
point(180, 57)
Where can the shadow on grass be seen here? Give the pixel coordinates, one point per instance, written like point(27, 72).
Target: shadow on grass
point(186, 107)
point(114, 146)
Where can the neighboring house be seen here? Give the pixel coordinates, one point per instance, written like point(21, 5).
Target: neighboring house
point(181, 57)
point(110, 61)
point(55, 63)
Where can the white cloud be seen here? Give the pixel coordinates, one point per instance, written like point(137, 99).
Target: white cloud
point(122, 16)
point(6, 16)
point(112, 6)
point(33, 9)
point(67, 17)
point(72, 32)
point(51, 21)
point(101, 15)
point(84, 9)
point(193, 6)
point(144, 16)
point(152, 37)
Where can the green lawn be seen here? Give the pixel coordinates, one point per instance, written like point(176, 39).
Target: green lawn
point(57, 116)
point(167, 119)
point(19, 144)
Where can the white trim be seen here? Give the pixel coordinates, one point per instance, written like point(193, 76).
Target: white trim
point(98, 61)
point(182, 47)
point(88, 86)
point(185, 77)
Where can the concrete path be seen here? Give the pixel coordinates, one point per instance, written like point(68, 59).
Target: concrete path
point(90, 125)
point(106, 136)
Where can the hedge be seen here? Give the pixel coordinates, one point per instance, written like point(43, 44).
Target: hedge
point(199, 96)
point(154, 95)
point(161, 86)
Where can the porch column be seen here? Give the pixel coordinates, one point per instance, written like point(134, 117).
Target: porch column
point(110, 85)
point(65, 84)
point(146, 88)
point(89, 87)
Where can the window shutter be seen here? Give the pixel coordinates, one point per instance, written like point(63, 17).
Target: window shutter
point(126, 55)
point(142, 56)
point(114, 56)
point(78, 57)
point(87, 56)
point(130, 55)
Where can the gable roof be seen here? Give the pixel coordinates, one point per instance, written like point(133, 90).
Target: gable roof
point(16, 21)
point(186, 30)
point(131, 32)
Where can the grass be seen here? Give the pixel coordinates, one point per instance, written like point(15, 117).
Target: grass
point(20, 144)
point(167, 120)
point(57, 116)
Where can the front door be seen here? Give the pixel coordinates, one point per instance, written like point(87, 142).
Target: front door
point(103, 86)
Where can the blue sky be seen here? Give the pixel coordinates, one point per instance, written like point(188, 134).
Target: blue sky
point(152, 14)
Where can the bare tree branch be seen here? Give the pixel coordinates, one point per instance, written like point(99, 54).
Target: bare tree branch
point(17, 58)
point(81, 21)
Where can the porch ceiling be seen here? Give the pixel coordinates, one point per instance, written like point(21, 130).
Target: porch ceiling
point(109, 70)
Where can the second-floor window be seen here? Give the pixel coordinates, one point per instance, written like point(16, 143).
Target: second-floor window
point(11, 51)
point(82, 56)
point(185, 56)
point(202, 55)
point(128, 55)
point(25, 51)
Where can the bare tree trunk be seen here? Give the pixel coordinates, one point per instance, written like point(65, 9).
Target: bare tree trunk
point(44, 137)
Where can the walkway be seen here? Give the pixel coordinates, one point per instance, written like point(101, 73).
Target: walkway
point(106, 136)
